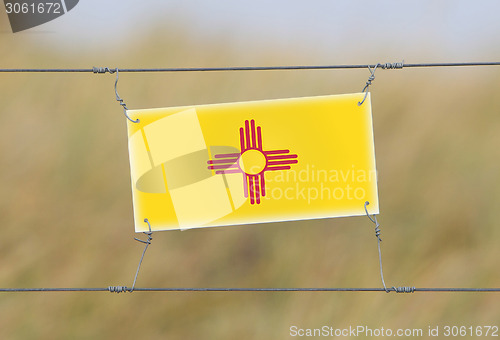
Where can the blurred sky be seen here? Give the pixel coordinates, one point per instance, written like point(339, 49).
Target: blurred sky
point(447, 30)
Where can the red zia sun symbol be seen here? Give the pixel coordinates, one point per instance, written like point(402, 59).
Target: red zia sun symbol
point(252, 161)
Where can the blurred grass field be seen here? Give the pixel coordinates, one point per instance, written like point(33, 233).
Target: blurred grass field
point(66, 211)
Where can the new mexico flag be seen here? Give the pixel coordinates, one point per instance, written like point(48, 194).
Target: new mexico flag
point(252, 162)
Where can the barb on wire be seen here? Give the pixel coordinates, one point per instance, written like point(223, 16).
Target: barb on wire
point(377, 235)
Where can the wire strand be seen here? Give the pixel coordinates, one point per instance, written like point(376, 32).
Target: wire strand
point(174, 289)
point(247, 68)
point(147, 243)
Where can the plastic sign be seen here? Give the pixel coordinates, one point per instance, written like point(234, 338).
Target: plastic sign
point(252, 162)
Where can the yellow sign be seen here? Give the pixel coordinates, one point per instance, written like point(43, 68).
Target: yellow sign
point(252, 162)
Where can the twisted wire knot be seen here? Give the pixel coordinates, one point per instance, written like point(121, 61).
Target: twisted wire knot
point(147, 233)
point(117, 289)
point(385, 66)
point(369, 81)
point(121, 102)
point(378, 231)
point(403, 289)
point(103, 70)
point(392, 66)
point(374, 221)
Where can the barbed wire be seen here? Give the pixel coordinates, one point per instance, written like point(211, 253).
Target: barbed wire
point(398, 65)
